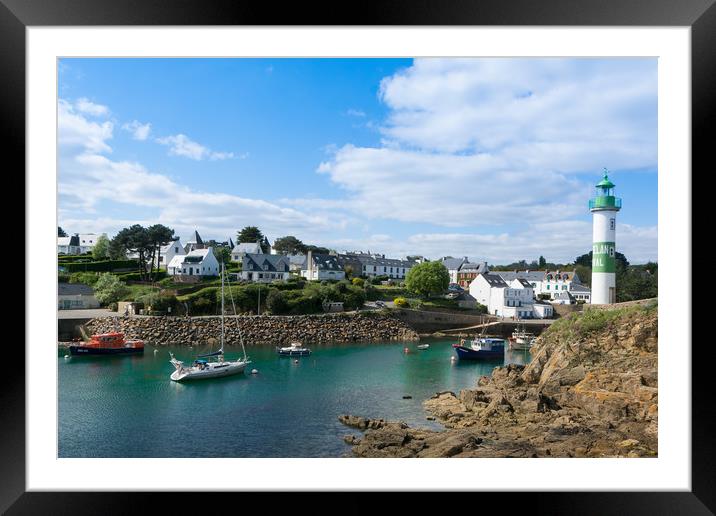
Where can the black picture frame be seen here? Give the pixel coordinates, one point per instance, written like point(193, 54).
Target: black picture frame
point(699, 15)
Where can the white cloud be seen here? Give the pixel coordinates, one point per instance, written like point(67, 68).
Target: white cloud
point(87, 107)
point(89, 180)
point(139, 130)
point(182, 145)
point(75, 131)
point(355, 112)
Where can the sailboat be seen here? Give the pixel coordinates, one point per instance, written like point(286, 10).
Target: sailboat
point(211, 365)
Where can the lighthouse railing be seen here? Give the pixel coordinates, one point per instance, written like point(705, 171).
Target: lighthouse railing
point(608, 201)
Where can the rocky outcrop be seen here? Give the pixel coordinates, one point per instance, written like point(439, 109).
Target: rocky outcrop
point(589, 391)
point(260, 329)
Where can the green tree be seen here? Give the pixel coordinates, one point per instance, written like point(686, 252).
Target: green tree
point(116, 250)
point(542, 262)
point(136, 239)
point(159, 236)
point(250, 235)
point(586, 260)
point(109, 288)
point(61, 232)
point(223, 254)
point(100, 251)
point(289, 245)
point(317, 250)
point(427, 278)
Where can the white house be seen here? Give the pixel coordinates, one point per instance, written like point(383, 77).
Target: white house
point(264, 268)
point(168, 252)
point(68, 245)
point(199, 262)
point(322, 267)
point(550, 282)
point(513, 299)
point(239, 250)
point(542, 310)
point(87, 241)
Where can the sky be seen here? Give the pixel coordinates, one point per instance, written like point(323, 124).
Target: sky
point(490, 158)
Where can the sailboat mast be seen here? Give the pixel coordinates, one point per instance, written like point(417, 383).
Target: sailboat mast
point(222, 307)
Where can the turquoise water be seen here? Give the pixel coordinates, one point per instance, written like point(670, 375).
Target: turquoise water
point(127, 406)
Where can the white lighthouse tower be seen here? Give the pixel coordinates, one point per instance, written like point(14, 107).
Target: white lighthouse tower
point(604, 208)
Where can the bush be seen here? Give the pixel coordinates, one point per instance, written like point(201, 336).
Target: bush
point(358, 282)
point(86, 278)
point(109, 288)
point(112, 307)
point(371, 293)
point(276, 302)
point(158, 302)
point(103, 266)
point(416, 304)
point(400, 302)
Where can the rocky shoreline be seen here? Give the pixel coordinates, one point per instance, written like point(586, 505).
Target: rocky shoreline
point(260, 329)
point(589, 391)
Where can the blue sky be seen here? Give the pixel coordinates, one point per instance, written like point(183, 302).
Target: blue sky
point(488, 158)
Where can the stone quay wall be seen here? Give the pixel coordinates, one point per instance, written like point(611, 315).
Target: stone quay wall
point(259, 329)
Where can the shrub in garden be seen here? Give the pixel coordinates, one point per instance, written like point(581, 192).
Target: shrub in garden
point(358, 282)
point(400, 302)
point(109, 288)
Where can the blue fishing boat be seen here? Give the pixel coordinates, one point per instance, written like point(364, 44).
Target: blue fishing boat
point(480, 348)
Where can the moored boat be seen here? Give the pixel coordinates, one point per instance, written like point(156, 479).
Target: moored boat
point(296, 349)
point(201, 368)
point(480, 348)
point(112, 343)
point(521, 339)
point(423, 346)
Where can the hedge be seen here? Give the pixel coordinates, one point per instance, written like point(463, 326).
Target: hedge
point(102, 266)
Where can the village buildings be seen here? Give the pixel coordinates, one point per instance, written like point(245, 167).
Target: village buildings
point(194, 264)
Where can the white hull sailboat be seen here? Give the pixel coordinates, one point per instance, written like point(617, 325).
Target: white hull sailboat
point(202, 369)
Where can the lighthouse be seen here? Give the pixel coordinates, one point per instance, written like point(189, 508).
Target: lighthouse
point(604, 207)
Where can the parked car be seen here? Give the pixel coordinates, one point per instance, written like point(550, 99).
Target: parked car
point(454, 287)
point(380, 304)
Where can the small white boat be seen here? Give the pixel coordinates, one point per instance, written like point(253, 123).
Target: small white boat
point(423, 346)
point(295, 349)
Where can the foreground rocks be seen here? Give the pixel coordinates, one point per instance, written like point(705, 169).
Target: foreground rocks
point(590, 391)
point(259, 329)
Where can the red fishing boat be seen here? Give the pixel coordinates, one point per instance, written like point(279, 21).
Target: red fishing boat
point(112, 343)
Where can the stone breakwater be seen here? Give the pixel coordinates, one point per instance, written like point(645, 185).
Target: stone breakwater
point(586, 393)
point(259, 329)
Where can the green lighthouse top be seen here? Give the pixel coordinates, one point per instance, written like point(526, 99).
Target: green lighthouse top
point(604, 199)
point(605, 182)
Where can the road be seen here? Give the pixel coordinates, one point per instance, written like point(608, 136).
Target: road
point(88, 313)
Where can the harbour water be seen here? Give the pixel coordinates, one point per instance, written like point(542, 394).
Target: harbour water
point(127, 406)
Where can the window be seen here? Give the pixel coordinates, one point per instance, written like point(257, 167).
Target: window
point(564, 287)
point(547, 287)
point(612, 223)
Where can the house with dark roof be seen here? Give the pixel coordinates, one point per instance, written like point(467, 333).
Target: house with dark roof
point(453, 265)
point(68, 244)
point(73, 296)
point(371, 265)
point(549, 282)
point(468, 271)
point(264, 268)
point(322, 267)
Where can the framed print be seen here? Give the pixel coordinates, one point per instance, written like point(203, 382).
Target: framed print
point(431, 234)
